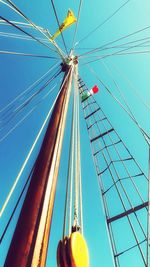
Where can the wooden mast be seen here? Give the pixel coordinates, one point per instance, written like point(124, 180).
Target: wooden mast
point(30, 240)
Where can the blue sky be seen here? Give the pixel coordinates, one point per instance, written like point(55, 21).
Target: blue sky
point(131, 72)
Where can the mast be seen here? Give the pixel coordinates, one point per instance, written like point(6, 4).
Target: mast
point(30, 240)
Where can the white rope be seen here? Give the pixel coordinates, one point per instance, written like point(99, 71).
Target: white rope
point(22, 24)
point(68, 181)
point(78, 209)
point(119, 90)
point(27, 159)
point(2, 128)
point(132, 86)
point(15, 9)
point(73, 211)
point(103, 22)
point(79, 162)
point(30, 87)
point(77, 24)
point(12, 6)
point(145, 135)
point(4, 52)
point(76, 175)
point(21, 37)
point(72, 167)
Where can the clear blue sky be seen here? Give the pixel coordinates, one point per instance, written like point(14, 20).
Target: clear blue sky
point(17, 73)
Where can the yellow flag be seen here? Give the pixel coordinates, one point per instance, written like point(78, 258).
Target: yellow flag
point(69, 20)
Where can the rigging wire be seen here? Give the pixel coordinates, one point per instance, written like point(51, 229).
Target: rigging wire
point(72, 165)
point(11, 106)
point(26, 25)
point(28, 34)
point(76, 27)
point(69, 177)
point(2, 52)
point(112, 47)
point(116, 40)
point(16, 205)
point(114, 53)
point(119, 90)
point(145, 135)
point(98, 58)
point(25, 117)
point(76, 175)
point(54, 9)
point(129, 42)
point(38, 81)
point(20, 37)
point(22, 24)
point(79, 153)
point(30, 152)
point(131, 86)
point(134, 52)
point(123, 45)
point(80, 193)
point(16, 9)
point(60, 52)
point(102, 23)
point(17, 110)
point(73, 216)
point(27, 158)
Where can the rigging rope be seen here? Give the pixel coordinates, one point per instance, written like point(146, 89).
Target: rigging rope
point(131, 86)
point(27, 158)
point(103, 56)
point(30, 152)
point(20, 37)
point(122, 45)
point(76, 175)
point(16, 206)
point(24, 117)
point(16, 9)
point(119, 90)
point(25, 54)
point(79, 162)
point(77, 23)
point(115, 53)
point(101, 24)
point(114, 41)
point(22, 24)
point(39, 80)
point(72, 166)
point(25, 32)
point(16, 110)
point(54, 9)
point(69, 177)
point(73, 199)
point(145, 135)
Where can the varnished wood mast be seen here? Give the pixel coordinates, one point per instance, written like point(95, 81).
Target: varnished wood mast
point(30, 240)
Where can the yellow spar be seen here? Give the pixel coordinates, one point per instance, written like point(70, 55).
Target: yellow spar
point(68, 21)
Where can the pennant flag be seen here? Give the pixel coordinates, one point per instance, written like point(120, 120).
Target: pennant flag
point(86, 94)
point(69, 20)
